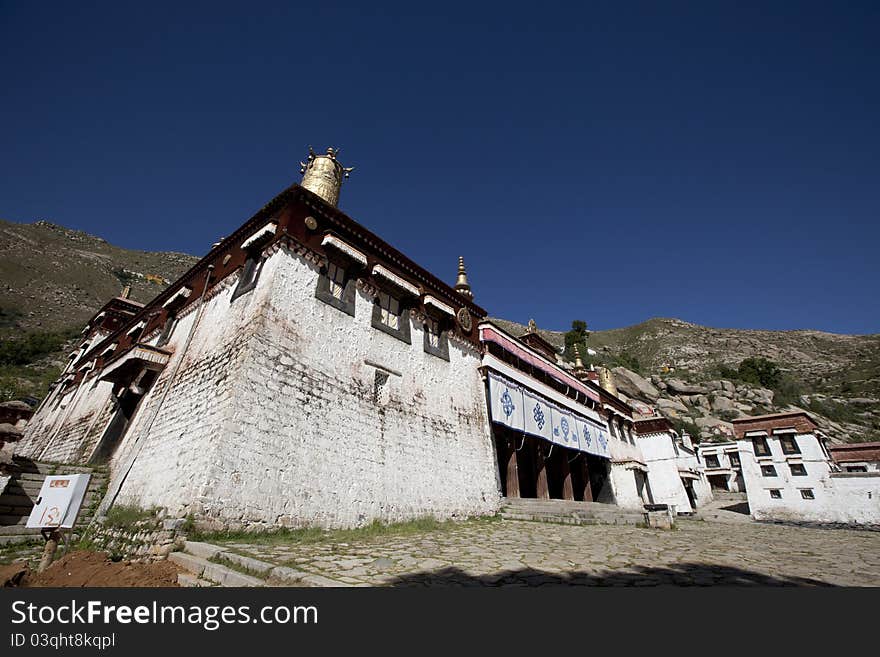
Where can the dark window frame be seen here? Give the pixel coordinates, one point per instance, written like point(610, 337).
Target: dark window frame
point(778, 493)
point(735, 461)
point(714, 457)
point(808, 494)
point(801, 466)
point(769, 466)
point(250, 273)
point(795, 449)
point(322, 291)
point(765, 446)
point(167, 329)
point(402, 332)
point(442, 349)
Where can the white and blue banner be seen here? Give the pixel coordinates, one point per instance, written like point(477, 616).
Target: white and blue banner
point(537, 416)
point(522, 409)
point(506, 403)
point(594, 439)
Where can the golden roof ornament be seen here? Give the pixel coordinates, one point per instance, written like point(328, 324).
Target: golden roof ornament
point(461, 283)
point(606, 380)
point(578, 363)
point(323, 174)
point(533, 326)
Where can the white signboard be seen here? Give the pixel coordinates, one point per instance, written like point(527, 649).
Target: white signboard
point(59, 502)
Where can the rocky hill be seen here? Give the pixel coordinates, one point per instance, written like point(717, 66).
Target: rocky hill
point(52, 279)
point(692, 374)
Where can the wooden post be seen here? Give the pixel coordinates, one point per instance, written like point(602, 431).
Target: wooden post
point(512, 483)
point(588, 490)
point(567, 486)
point(52, 538)
point(543, 490)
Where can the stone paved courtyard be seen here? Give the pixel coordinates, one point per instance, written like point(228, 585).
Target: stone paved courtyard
point(492, 553)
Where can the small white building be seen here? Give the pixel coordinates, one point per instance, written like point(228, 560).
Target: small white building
point(856, 457)
point(790, 476)
point(674, 472)
point(722, 466)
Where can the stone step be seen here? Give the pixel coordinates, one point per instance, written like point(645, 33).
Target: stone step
point(7, 522)
point(38, 467)
point(185, 580)
point(196, 554)
point(573, 519)
point(214, 572)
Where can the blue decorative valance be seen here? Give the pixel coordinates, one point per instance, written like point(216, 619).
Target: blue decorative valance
point(523, 409)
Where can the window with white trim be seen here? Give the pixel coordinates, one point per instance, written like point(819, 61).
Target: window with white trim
point(336, 287)
point(389, 317)
point(436, 341)
point(389, 311)
point(336, 284)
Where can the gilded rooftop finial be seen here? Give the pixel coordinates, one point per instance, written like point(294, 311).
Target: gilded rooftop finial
point(533, 326)
point(578, 363)
point(461, 283)
point(323, 174)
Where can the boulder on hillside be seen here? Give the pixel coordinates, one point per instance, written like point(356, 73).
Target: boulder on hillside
point(633, 385)
point(763, 396)
point(679, 387)
point(720, 403)
point(728, 386)
point(672, 407)
point(699, 401)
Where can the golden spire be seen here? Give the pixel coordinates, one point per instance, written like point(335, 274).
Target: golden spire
point(578, 363)
point(323, 174)
point(461, 284)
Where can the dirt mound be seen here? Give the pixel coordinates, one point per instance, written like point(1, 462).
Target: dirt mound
point(85, 568)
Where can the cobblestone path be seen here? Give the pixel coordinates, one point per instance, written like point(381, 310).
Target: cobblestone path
point(492, 553)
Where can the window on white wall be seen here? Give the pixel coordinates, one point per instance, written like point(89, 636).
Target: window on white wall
point(776, 494)
point(336, 287)
point(789, 445)
point(807, 494)
point(389, 317)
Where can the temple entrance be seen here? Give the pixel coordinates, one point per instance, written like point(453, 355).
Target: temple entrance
point(126, 402)
point(689, 489)
point(533, 468)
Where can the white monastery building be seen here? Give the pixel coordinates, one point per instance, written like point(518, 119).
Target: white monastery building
point(722, 466)
point(304, 372)
point(790, 476)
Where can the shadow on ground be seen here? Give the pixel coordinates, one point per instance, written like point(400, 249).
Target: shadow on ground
point(686, 574)
point(741, 507)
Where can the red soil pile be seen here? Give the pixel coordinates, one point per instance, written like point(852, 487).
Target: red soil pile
point(85, 568)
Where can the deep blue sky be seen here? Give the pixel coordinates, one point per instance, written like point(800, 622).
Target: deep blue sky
point(717, 162)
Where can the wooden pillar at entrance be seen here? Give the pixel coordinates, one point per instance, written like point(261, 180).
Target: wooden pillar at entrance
point(543, 492)
point(588, 490)
point(512, 487)
point(567, 487)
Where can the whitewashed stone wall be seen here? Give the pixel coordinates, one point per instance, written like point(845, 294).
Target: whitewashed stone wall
point(623, 481)
point(661, 458)
point(68, 425)
point(838, 498)
point(273, 418)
